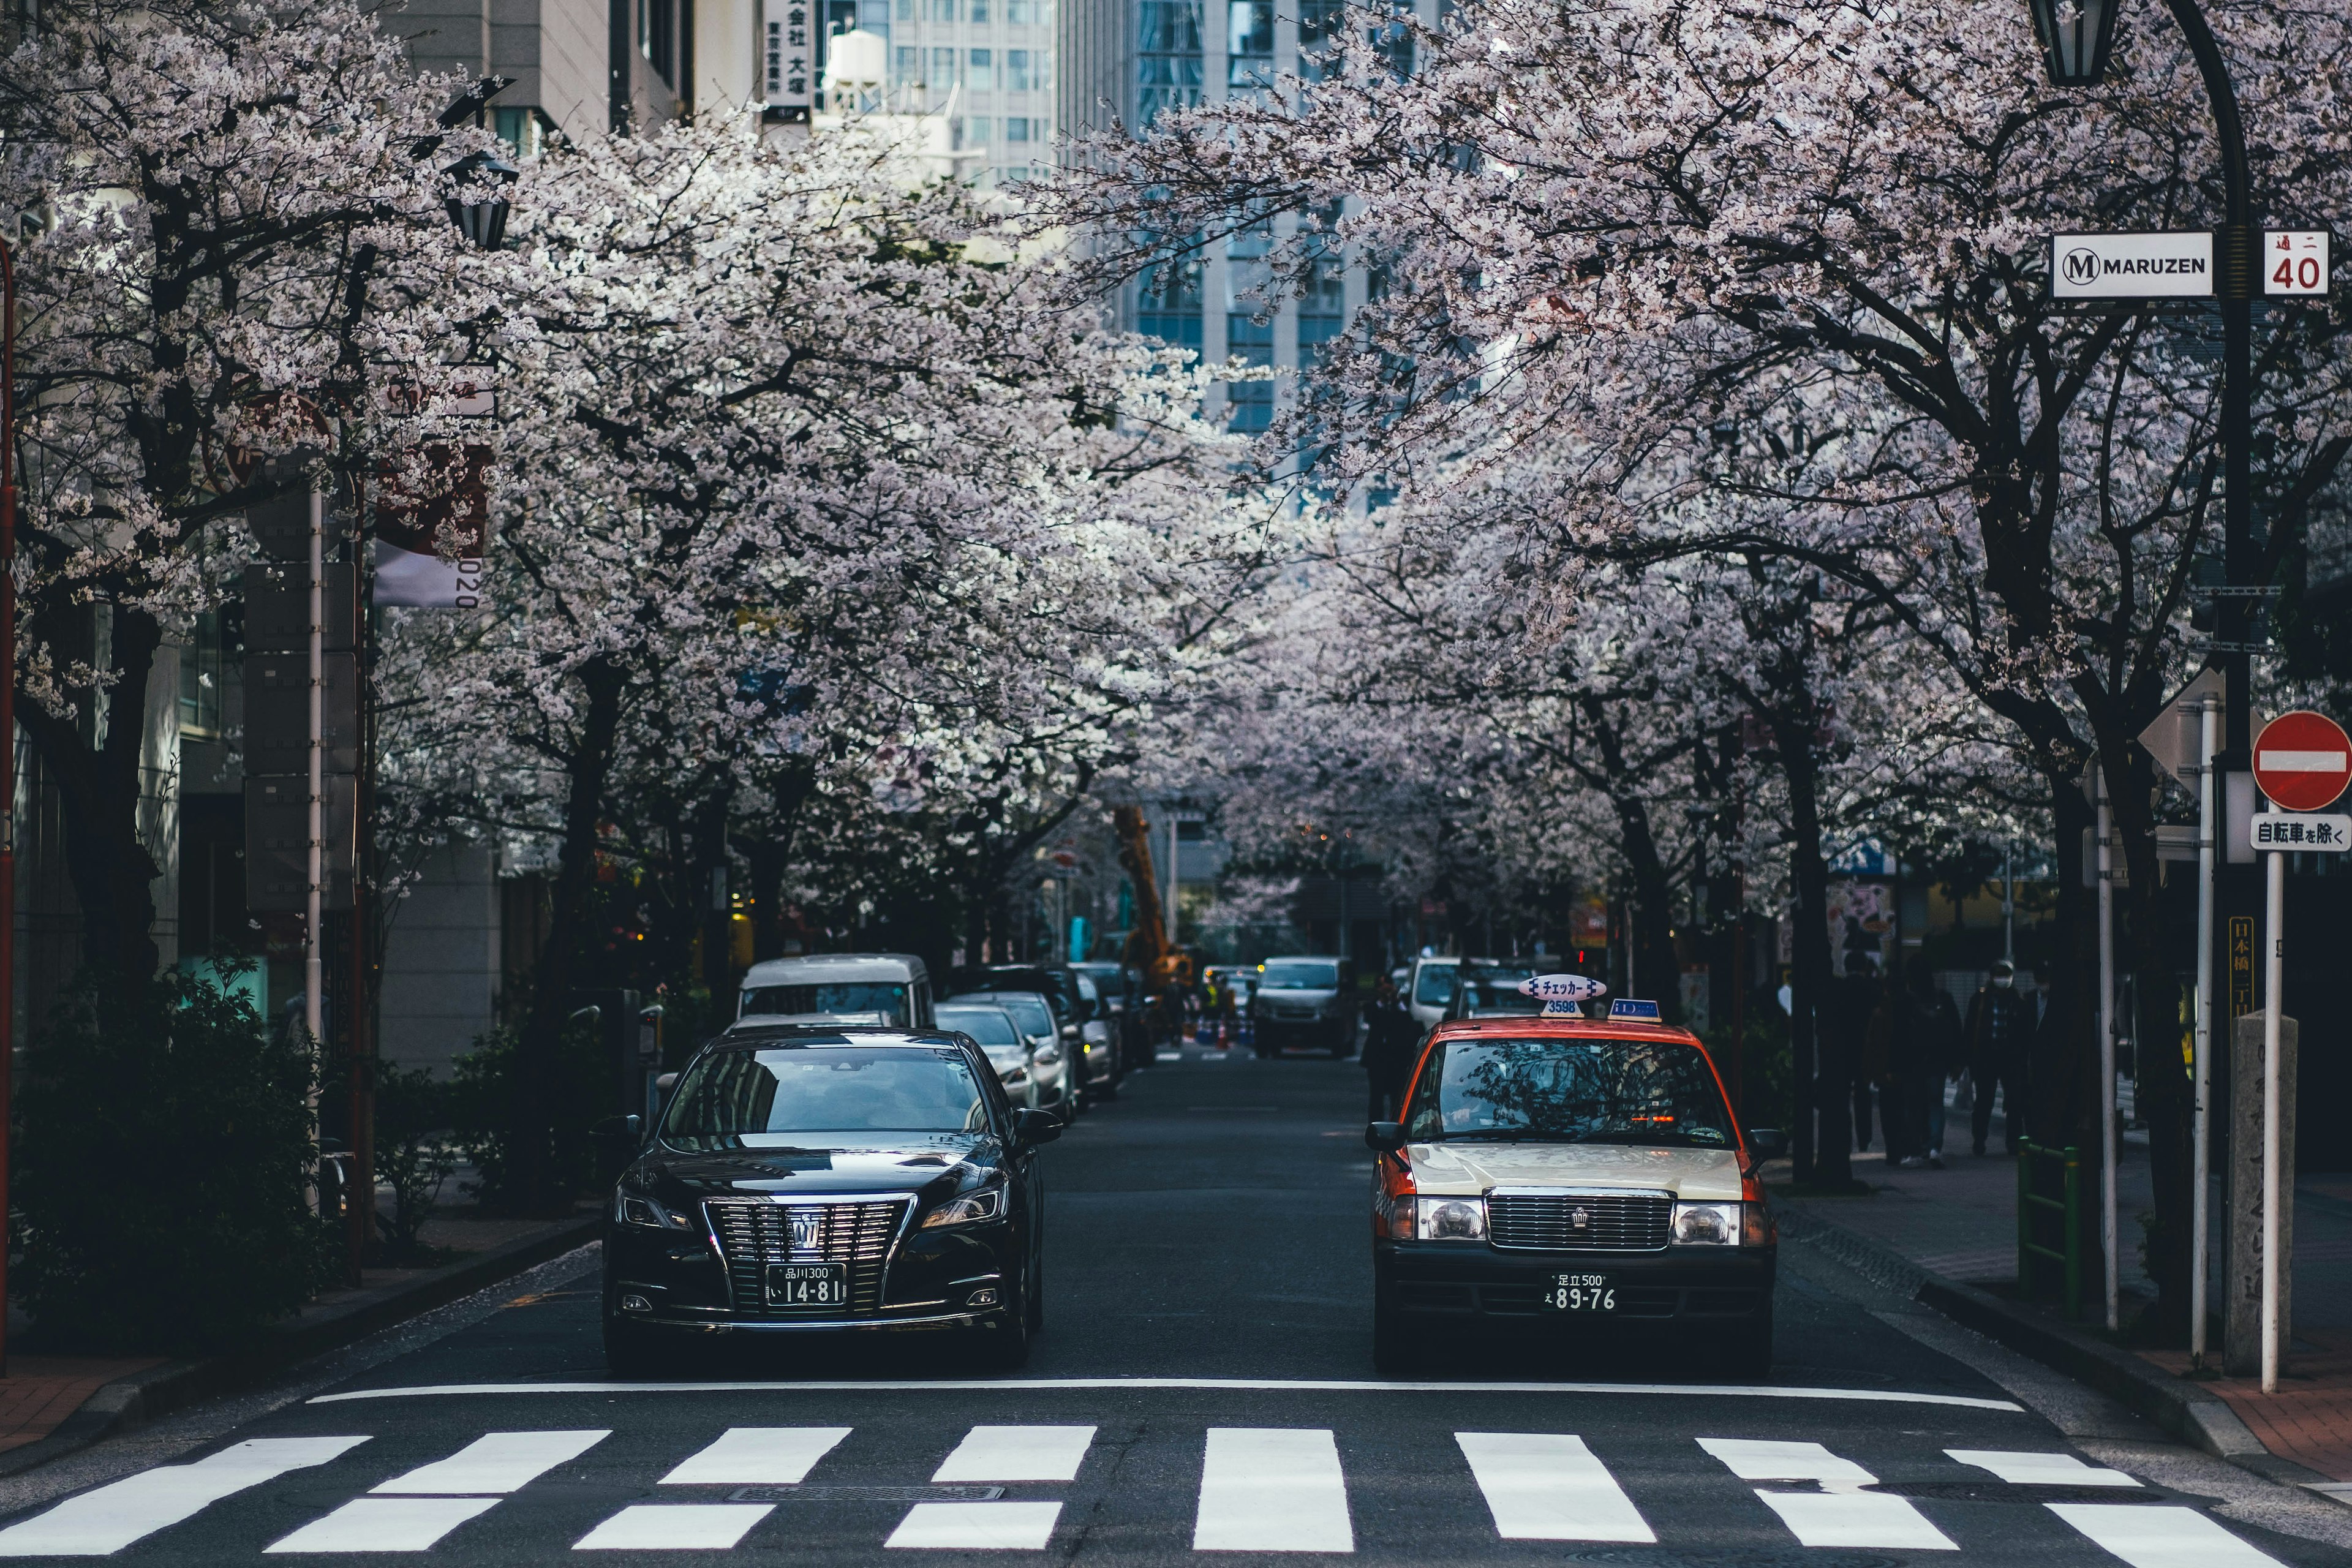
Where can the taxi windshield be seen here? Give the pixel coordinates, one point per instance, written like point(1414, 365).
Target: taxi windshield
point(1653, 1092)
point(774, 1099)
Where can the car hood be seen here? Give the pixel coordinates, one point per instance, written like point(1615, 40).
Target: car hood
point(908, 1163)
point(1462, 1170)
point(1273, 994)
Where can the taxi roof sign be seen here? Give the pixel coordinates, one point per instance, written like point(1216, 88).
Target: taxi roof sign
point(1562, 987)
point(1627, 1007)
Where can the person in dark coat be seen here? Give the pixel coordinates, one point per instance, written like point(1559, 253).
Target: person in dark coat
point(2001, 1021)
point(1927, 1026)
point(1389, 1037)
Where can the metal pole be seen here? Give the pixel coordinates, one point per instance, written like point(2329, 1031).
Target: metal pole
point(1171, 879)
point(8, 749)
point(2009, 904)
point(2202, 1078)
point(359, 1033)
point(2274, 966)
point(313, 960)
point(2106, 1046)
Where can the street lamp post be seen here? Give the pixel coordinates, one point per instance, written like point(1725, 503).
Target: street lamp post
point(2077, 36)
point(8, 749)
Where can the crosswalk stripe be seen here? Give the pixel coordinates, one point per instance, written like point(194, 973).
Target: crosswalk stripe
point(1272, 1488)
point(1017, 1454)
point(758, 1457)
point(496, 1462)
point(675, 1527)
point(2149, 1535)
point(2038, 1469)
point(112, 1517)
point(1838, 1515)
point(982, 1526)
point(385, 1524)
point(1547, 1486)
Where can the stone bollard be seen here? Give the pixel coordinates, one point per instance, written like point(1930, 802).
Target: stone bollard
point(2243, 1339)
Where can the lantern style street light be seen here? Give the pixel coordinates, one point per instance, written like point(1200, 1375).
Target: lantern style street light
point(2077, 36)
point(483, 222)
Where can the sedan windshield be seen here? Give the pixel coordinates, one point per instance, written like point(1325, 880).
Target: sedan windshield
point(1489, 989)
point(862, 998)
point(772, 1098)
point(1653, 1092)
point(988, 1026)
point(1028, 1009)
point(1299, 977)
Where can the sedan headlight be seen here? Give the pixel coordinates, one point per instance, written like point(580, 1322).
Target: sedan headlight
point(1450, 1219)
point(636, 1208)
point(1707, 1224)
point(968, 1208)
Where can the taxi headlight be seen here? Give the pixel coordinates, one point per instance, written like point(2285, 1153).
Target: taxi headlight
point(1452, 1219)
point(1706, 1225)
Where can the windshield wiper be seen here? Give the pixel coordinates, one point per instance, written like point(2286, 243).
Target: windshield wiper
point(1507, 1135)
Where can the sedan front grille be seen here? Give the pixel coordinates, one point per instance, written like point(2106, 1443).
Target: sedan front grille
point(1571, 1222)
point(754, 1233)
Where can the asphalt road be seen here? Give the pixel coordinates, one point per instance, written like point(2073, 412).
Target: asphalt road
point(1204, 1385)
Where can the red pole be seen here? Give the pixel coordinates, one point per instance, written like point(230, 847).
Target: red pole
point(8, 750)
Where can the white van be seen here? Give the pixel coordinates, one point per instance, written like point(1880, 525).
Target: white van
point(1430, 989)
point(889, 989)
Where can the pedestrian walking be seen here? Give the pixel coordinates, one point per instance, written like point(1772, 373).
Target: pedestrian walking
point(1932, 1022)
point(1999, 1024)
point(1389, 1037)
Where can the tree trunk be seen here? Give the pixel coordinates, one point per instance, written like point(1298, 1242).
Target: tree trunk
point(1826, 1091)
point(770, 856)
point(530, 1151)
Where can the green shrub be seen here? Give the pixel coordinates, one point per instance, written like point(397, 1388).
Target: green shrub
point(581, 1090)
point(413, 1154)
point(163, 1147)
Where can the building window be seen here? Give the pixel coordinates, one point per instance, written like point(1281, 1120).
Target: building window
point(975, 131)
point(1016, 70)
point(943, 69)
point(1318, 30)
point(908, 68)
point(1016, 12)
point(1167, 55)
point(1168, 300)
point(983, 71)
point(1017, 130)
point(943, 10)
point(903, 9)
point(524, 130)
point(1249, 43)
point(978, 12)
point(657, 36)
point(203, 666)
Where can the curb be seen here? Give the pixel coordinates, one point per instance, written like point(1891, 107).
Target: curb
point(130, 1403)
point(2181, 1409)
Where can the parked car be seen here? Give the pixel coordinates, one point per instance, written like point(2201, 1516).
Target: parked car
point(1121, 991)
point(1008, 1050)
point(1430, 990)
point(842, 1179)
point(1049, 1053)
point(1096, 1068)
point(1489, 988)
point(877, 988)
point(1305, 1000)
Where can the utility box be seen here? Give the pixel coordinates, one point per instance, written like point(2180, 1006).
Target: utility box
point(2243, 1328)
point(278, 843)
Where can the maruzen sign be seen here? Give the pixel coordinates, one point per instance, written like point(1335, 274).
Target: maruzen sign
point(2177, 266)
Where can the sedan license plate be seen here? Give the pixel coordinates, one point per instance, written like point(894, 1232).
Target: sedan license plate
point(808, 1285)
point(1580, 1293)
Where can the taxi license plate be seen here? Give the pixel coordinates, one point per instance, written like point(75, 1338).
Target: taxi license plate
point(808, 1284)
point(1580, 1293)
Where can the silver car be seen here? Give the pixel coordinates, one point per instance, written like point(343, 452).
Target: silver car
point(1049, 1062)
point(999, 1039)
point(1304, 1001)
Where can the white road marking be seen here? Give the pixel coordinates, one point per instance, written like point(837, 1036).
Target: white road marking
point(675, 1527)
point(758, 1457)
point(1272, 1488)
point(1017, 1454)
point(978, 1526)
point(385, 1524)
point(1547, 1486)
point(112, 1517)
point(496, 1462)
point(1841, 1514)
point(2160, 1536)
point(1167, 1055)
point(1303, 1385)
point(2030, 1469)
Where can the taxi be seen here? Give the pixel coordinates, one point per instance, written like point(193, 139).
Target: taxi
point(1573, 1174)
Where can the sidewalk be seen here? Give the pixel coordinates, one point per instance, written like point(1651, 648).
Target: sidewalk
point(1960, 1223)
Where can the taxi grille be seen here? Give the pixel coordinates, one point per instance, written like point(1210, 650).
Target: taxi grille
point(1569, 1223)
point(754, 1233)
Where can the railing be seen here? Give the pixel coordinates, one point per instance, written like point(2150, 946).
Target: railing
point(2069, 1209)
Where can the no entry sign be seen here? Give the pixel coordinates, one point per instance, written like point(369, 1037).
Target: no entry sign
point(2303, 761)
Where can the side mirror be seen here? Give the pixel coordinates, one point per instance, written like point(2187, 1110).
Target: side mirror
point(666, 1082)
point(629, 1130)
point(1388, 1137)
point(1768, 1142)
point(1032, 1126)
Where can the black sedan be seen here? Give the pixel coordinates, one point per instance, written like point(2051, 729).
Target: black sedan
point(813, 1179)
